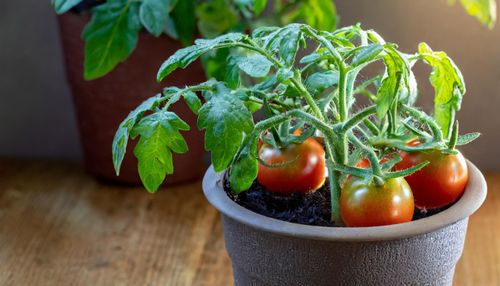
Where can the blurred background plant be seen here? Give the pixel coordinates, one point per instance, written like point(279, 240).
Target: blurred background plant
point(112, 34)
point(484, 10)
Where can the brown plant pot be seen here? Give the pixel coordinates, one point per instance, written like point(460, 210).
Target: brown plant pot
point(268, 252)
point(103, 103)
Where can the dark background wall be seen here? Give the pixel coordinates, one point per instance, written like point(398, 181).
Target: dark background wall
point(36, 111)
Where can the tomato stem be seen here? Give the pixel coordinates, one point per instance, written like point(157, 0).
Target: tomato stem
point(454, 137)
point(378, 181)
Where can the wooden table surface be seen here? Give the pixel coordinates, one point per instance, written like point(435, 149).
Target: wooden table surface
point(58, 226)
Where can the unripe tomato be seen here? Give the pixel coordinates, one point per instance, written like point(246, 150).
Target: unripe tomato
point(363, 203)
point(301, 167)
point(439, 183)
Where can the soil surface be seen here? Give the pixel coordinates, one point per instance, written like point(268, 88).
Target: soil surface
point(310, 208)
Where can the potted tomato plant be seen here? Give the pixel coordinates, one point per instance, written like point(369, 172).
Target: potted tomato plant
point(317, 189)
point(112, 48)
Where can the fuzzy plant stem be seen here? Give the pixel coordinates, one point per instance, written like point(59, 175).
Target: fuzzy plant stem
point(332, 148)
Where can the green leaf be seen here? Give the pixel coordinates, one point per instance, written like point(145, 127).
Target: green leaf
point(259, 6)
point(366, 54)
point(467, 138)
point(154, 15)
point(160, 137)
point(263, 31)
point(120, 140)
point(170, 28)
point(183, 57)
point(395, 77)
point(254, 65)
point(320, 81)
point(110, 37)
point(483, 10)
point(355, 171)
point(232, 77)
point(225, 119)
point(184, 18)
point(320, 14)
point(285, 41)
point(214, 63)
point(192, 101)
point(284, 75)
point(448, 85)
point(405, 172)
point(311, 58)
point(266, 84)
point(62, 6)
point(394, 158)
point(409, 95)
point(387, 92)
point(215, 17)
point(245, 167)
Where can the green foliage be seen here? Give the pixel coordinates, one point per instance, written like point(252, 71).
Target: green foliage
point(226, 120)
point(232, 76)
point(315, 94)
point(62, 6)
point(193, 102)
point(184, 17)
point(483, 10)
point(112, 34)
point(160, 137)
point(122, 135)
point(183, 57)
point(321, 14)
point(154, 15)
point(110, 37)
point(283, 41)
point(366, 54)
point(245, 166)
point(255, 65)
point(216, 17)
point(259, 6)
point(319, 81)
point(467, 138)
point(448, 84)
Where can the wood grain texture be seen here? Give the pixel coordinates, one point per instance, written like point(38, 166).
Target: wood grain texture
point(59, 226)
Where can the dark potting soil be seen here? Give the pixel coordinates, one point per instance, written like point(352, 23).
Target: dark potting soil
point(310, 208)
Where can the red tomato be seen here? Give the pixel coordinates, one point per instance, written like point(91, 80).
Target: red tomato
point(365, 163)
point(303, 169)
point(362, 203)
point(438, 184)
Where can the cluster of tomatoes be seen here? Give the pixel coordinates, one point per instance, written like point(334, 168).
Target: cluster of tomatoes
point(364, 202)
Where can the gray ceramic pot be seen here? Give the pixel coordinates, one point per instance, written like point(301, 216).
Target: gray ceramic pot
point(266, 251)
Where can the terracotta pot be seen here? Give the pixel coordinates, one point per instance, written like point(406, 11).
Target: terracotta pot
point(103, 103)
point(266, 251)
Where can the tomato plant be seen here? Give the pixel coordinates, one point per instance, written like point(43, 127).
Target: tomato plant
point(364, 203)
point(278, 94)
point(294, 168)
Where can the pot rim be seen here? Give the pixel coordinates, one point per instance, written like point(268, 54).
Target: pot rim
point(471, 200)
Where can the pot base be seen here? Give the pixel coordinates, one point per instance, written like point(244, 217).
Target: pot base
point(427, 259)
point(243, 279)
